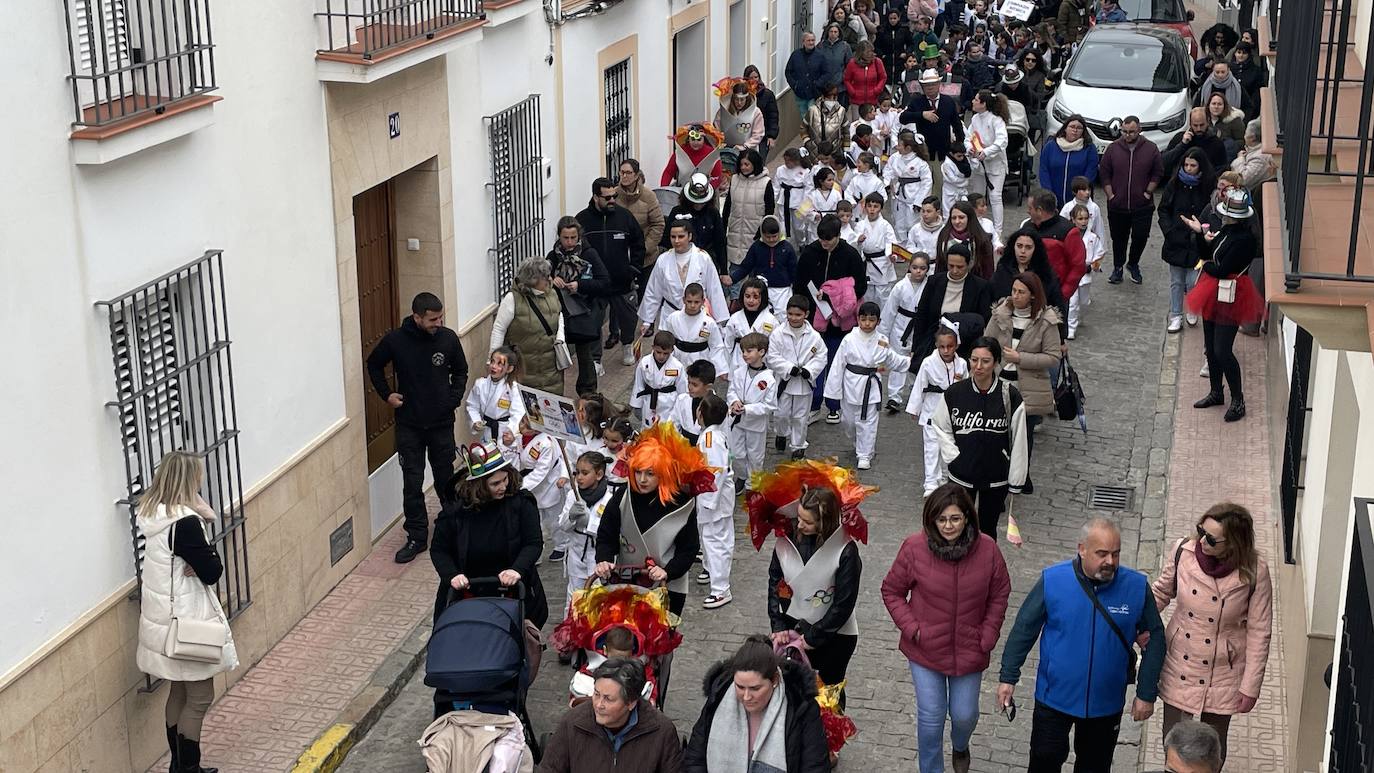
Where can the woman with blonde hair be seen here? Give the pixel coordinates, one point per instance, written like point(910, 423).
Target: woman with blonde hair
point(180, 569)
point(1219, 633)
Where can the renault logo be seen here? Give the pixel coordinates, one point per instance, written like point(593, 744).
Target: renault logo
point(1114, 128)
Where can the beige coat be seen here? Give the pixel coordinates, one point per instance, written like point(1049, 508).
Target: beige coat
point(647, 212)
point(463, 741)
point(1039, 350)
point(1218, 635)
point(746, 213)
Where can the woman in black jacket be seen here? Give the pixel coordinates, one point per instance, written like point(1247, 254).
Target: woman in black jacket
point(892, 42)
point(767, 103)
point(582, 281)
point(1185, 196)
point(1225, 307)
point(748, 690)
point(1026, 252)
point(490, 528)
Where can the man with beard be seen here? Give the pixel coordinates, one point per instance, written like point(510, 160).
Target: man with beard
point(1083, 610)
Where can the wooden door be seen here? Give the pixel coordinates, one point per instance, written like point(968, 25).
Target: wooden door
point(374, 219)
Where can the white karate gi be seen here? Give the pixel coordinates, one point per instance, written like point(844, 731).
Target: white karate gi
point(863, 183)
point(1081, 298)
point(541, 459)
point(861, 394)
point(816, 204)
point(497, 404)
point(698, 338)
point(790, 186)
point(715, 510)
point(656, 386)
point(898, 315)
point(757, 390)
point(923, 238)
point(877, 238)
point(738, 326)
point(671, 275)
point(789, 348)
point(1096, 223)
point(955, 185)
point(581, 559)
point(932, 379)
point(910, 178)
point(890, 121)
point(684, 416)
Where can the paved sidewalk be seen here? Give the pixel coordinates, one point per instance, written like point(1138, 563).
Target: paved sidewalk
point(1213, 461)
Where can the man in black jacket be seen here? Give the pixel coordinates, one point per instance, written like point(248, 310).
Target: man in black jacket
point(829, 257)
point(616, 236)
point(937, 119)
point(431, 374)
point(1199, 135)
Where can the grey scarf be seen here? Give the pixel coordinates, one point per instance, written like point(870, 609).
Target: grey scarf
point(956, 550)
point(728, 752)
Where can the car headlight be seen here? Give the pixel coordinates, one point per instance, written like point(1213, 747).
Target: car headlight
point(1060, 112)
point(1175, 123)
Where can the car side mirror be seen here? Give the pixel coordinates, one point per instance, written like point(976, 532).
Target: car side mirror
point(1190, 15)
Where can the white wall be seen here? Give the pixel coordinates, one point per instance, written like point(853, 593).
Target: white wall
point(255, 184)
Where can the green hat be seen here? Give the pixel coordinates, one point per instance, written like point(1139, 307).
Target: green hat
point(930, 52)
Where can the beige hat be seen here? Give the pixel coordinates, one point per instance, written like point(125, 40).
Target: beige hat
point(930, 76)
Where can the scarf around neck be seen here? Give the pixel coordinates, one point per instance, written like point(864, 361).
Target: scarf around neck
point(1069, 147)
point(956, 550)
point(965, 168)
point(1211, 565)
point(728, 749)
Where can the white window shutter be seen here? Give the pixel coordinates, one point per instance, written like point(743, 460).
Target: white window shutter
point(114, 44)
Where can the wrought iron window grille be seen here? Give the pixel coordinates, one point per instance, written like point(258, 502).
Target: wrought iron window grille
point(1352, 677)
point(616, 83)
point(517, 189)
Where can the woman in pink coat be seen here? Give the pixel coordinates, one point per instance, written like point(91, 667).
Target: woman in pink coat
point(947, 592)
point(1219, 634)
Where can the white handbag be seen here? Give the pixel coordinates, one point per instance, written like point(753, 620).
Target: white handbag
point(198, 640)
point(1226, 290)
point(562, 357)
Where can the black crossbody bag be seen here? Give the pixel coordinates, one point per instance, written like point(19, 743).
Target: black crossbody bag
point(1131, 656)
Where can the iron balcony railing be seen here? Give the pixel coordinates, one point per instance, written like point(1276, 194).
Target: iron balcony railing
point(1324, 122)
point(369, 27)
point(1352, 724)
point(130, 57)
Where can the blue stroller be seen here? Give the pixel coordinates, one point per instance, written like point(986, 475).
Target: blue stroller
point(479, 656)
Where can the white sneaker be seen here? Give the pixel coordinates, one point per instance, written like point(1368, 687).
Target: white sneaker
point(703, 578)
point(1073, 334)
point(627, 355)
point(816, 416)
point(600, 371)
point(713, 601)
point(1192, 319)
point(1205, 372)
point(1175, 323)
point(865, 463)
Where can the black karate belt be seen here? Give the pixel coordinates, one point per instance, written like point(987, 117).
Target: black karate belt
point(910, 325)
point(787, 205)
point(692, 347)
point(493, 425)
point(870, 259)
point(934, 390)
point(653, 392)
point(691, 436)
point(872, 374)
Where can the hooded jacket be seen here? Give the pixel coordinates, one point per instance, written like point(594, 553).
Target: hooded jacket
point(431, 372)
point(835, 55)
point(615, 235)
point(644, 207)
point(803, 733)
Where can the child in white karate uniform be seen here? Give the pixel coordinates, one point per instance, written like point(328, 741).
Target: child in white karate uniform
point(752, 398)
point(796, 355)
point(821, 200)
point(845, 211)
point(980, 208)
point(494, 404)
point(887, 124)
point(1095, 251)
point(957, 170)
point(659, 379)
point(898, 323)
point(863, 355)
point(909, 177)
point(1082, 189)
point(594, 411)
point(791, 183)
point(546, 476)
point(865, 180)
point(582, 517)
point(938, 371)
point(701, 375)
point(924, 234)
point(753, 317)
point(698, 336)
point(874, 238)
point(716, 509)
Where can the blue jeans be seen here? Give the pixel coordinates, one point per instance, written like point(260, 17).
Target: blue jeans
point(803, 105)
point(1181, 280)
point(936, 696)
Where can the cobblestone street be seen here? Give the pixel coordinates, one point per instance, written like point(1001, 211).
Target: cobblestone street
point(1118, 353)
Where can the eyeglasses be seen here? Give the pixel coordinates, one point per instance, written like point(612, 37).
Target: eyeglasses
point(949, 520)
point(1208, 538)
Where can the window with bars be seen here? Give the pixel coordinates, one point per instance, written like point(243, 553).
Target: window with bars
point(130, 57)
point(517, 188)
point(174, 390)
point(801, 21)
point(616, 98)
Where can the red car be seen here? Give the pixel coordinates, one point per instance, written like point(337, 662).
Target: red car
point(1165, 13)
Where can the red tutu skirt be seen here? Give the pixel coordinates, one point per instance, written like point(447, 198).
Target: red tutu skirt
point(1246, 309)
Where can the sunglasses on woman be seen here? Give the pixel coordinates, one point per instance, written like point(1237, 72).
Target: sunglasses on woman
point(1208, 538)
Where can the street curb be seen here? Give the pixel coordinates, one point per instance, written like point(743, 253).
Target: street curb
point(329, 750)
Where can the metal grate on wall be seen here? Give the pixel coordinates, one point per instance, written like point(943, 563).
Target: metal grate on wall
point(1352, 675)
point(174, 390)
point(801, 21)
point(1110, 497)
point(1295, 430)
point(616, 86)
point(517, 188)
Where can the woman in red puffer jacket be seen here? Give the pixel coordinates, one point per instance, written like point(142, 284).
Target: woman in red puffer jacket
point(864, 77)
point(947, 592)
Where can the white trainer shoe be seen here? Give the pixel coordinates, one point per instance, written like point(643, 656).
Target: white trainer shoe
point(627, 356)
point(1175, 323)
point(1192, 319)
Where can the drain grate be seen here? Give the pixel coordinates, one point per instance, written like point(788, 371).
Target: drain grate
point(1110, 497)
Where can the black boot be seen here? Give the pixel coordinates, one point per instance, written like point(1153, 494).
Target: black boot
point(174, 747)
point(1212, 398)
point(190, 757)
point(1237, 410)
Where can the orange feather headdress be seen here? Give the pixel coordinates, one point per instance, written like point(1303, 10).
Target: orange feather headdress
point(772, 495)
point(677, 463)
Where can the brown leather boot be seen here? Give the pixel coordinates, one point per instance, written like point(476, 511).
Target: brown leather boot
point(961, 761)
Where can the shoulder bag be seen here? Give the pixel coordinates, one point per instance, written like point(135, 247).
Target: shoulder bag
point(1068, 392)
point(561, 355)
point(198, 640)
point(1121, 637)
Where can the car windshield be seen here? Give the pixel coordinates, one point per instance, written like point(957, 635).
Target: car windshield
point(1144, 65)
point(1168, 11)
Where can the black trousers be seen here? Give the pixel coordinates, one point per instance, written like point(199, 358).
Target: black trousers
point(831, 660)
point(413, 444)
point(990, 501)
point(586, 366)
point(623, 316)
point(1218, 344)
point(1094, 741)
point(1129, 231)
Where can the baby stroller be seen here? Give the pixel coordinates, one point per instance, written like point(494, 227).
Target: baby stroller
point(628, 600)
point(479, 656)
point(1019, 155)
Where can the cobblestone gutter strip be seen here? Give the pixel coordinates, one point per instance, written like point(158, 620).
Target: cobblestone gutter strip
point(328, 751)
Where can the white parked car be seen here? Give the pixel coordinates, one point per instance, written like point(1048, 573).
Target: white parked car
point(1126, 69)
